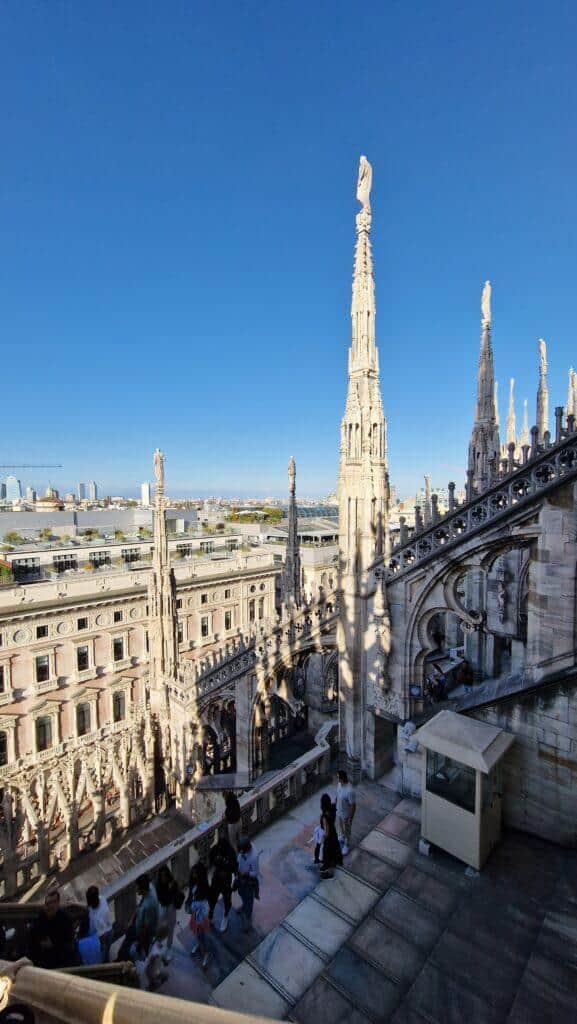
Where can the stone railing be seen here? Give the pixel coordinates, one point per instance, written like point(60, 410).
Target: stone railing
point(540, 474)
point(259, 807)
point(59, 996)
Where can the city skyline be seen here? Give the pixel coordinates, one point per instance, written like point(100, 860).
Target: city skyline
point(230, 397)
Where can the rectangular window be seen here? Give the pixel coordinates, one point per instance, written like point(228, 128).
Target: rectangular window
point(184, 549)
point(228, 620)
point(146, 642)
point(179, 603)
point(251, 610)
point(82, 658)
point(130, 554)
point(118, 648)
point(451, 780)
point(3, 749)
point(204, 598)
point(180, 632)
point(261, 607)
point(118, 707)
point(83, 719)
point(227, 595)
point(41, 631)
point(204, 626)
point(82, 623)
point(1, 640)
point(2, 679)
point(118, 616)
point(64, 562)
point(43, 734)
point(42, 668)
point(97, 558)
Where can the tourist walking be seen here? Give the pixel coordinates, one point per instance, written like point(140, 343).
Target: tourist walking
point(170, 899)
point(327, 808)
point(51, 940)
point(140, 933)
point(332, 855)
point(346, 806)
point(223, 861)
point(198, 906)
point(247, 879)
point(232, 817)
point(100, 919)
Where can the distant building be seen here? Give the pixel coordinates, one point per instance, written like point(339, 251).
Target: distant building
point(145, 495)
point(92, 491)
point(13, 488)
point(81, 491)
point(2, 491)
point(30, 494)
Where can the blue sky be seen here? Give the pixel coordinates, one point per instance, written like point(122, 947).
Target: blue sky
point(177, 226)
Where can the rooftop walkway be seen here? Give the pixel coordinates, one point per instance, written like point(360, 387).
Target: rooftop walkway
point(285, 880)
point(401, 937)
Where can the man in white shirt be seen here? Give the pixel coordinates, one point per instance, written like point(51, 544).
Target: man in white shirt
point(346, 806)
point(100, 920)
point(247, 878)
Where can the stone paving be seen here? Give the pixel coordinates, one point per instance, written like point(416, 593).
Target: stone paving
point(397, 936)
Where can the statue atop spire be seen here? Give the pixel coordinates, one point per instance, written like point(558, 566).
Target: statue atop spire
point(486, 303)
point(163, 616)
point(292, 472)
point(158, 462)
point(364, 183)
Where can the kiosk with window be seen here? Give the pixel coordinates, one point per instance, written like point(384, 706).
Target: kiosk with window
point(462, 789)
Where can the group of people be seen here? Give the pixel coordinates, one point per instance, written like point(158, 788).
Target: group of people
point(332, 835)
point(56, 940)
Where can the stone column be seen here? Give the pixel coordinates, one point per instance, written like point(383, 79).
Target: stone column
point(474, 640)
point(243, 724)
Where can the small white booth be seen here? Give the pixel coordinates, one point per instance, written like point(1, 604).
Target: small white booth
point(462, 785)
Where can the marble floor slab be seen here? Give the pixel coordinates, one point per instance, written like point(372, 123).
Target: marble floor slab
point(374, 870)
point(409, 918)
point(246, 991)
point(323, 1002)
point(434, 895)
point(390, 849)
point(386, 948)
point(347, 894)
point(367, 987)
point(320, 926)
point(288, 962)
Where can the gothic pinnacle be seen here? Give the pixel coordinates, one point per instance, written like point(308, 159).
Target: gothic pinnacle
point(511, 424)
point(542, 393)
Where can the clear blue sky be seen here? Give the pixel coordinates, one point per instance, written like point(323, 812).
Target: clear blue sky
point(177, 224)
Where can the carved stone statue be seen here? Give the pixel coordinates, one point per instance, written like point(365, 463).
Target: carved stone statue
point(542, 357)
point(364, 183)
point(158, 461)
point(292, 473)
point(486, 302)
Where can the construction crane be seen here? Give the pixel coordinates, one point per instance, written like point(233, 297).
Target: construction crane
point(30, 465)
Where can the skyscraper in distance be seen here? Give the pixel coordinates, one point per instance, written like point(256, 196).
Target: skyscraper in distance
point(81, 491)
point(145, 494)
point(92, 491)
point(13, 488)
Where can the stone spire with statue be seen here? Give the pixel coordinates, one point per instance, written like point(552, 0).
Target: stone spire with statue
point(292, 583)
point(542, 394)
point(363, 497)
point(484, 447)
point(163, 616)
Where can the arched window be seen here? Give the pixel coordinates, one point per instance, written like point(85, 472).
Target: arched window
point(3, 748)
point(118, 707)
point(261, 607)
point(251, 610)
point(43, 733)
point(83, 719)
